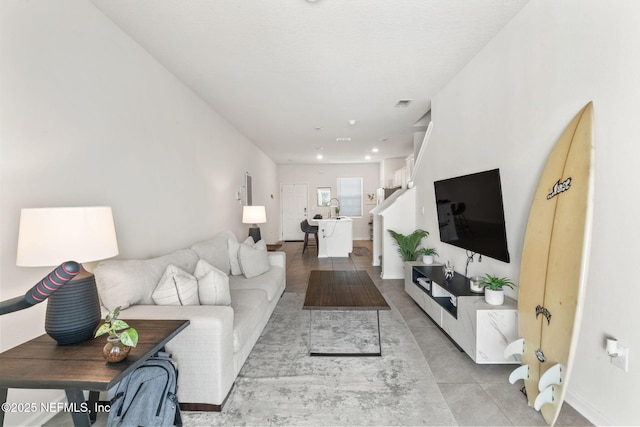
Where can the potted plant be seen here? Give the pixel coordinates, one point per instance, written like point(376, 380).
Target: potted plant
point(408, 246)
point(494, 288)
point(428, 254)
point(118, 343)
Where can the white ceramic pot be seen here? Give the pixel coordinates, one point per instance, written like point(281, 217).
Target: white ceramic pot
point(494, 297)
point(427, 259)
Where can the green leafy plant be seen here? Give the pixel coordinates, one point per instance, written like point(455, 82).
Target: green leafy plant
point(428, 251)
point(408, 246)
point(128, 335)
point(496, 283)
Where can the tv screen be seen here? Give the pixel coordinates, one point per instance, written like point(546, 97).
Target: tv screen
point(471, 215)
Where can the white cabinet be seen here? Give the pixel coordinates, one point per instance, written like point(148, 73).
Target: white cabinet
point(481, 330)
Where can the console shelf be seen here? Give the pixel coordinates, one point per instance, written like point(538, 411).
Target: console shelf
point(480, 329)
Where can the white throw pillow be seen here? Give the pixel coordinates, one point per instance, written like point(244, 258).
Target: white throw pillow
point(213, 285)
point(253, 259)
point(234, 245)
point(176, 287)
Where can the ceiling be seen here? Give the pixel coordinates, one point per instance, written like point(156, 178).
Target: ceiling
point(291, 74)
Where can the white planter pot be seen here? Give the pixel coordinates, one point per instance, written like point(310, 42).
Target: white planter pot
point(494, 297)
point(427, 259)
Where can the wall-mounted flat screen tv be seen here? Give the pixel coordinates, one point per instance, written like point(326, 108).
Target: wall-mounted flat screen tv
point(471, 214)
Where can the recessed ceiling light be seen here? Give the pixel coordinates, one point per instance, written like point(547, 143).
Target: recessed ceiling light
point(367, 157)
point(352, 122)
point(319, 157)
point(374, 150)
point(343, 139)
point(404, 103)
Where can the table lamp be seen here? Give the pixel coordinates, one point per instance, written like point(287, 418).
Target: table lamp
point(254, 215)
point(51, 236)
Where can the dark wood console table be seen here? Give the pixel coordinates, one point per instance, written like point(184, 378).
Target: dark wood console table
point(43, 364)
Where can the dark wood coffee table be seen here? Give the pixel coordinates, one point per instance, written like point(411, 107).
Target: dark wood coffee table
point(43, 364)
point(343, 291)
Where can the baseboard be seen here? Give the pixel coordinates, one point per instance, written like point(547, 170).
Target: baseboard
point(201, 407)
point(391, 276)
point(587, 410)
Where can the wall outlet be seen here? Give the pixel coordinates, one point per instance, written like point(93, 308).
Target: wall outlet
point(622, 360)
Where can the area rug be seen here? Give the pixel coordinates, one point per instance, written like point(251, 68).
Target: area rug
point(280, 384)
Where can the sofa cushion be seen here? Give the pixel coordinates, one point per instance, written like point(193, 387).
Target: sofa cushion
point(176, 287)
point(253, 259)
point(215, 251)
point(131, 282)
point(213, 285)
point(269, 282)
point(234, 246)
point(249, 307)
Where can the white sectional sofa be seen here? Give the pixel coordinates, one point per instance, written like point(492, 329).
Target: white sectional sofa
point(213, 348)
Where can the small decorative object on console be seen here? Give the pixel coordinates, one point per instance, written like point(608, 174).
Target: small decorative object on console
point(448, 271)
point(475, 284)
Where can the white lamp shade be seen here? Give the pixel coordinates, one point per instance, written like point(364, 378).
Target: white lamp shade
point(51, 236)
point(254, 215)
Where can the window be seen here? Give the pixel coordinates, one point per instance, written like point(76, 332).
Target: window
point(350, 196)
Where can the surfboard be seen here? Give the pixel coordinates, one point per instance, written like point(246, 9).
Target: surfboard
point(554, 266)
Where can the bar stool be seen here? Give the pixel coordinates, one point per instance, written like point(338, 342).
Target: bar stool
point(309, 229)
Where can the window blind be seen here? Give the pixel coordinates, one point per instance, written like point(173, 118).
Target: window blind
point(350, 196)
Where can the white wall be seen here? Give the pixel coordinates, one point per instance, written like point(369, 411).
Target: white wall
point(505, 110)
point(89, 118)
point(326, 175)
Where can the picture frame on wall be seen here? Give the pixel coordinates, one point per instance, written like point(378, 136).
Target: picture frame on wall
point(324, 196)
point(370, 198)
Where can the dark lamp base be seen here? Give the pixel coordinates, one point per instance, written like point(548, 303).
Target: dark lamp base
point(254, 232)
point(73, 311)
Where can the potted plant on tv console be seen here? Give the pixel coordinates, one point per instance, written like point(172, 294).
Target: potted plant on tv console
point(118, 343)
point(408, 246)
point(494, 288)
point(428, 254)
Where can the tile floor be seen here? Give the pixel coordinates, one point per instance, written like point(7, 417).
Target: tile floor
point(476, 394)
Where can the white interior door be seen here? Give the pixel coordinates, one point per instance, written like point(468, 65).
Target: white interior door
point(294, 210)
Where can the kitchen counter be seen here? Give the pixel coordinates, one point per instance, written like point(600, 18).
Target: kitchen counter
point(335, 237)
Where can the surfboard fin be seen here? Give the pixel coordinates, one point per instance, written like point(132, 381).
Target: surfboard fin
point(553, 375)
point(520, 373)
point(514, 349)
point(546, 396)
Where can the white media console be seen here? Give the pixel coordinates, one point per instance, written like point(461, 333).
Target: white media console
point(481, 330)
